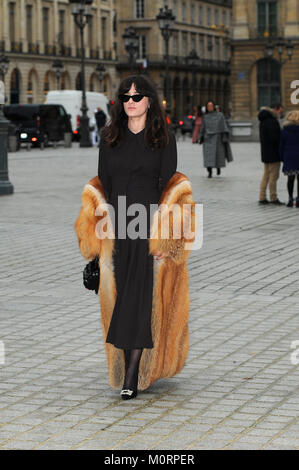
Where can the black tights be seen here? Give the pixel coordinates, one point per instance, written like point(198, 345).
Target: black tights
point(132, 359)
point(291, 181)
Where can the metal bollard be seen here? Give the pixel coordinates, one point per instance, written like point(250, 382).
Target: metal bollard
point(5, 185)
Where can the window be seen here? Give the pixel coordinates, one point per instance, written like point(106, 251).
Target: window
point(139, 8)
point(46, 25)
point(29, 23)
point(217, 48)
point(268, 82)
point(184, 11)
point(175, 45)
point(104, 32)
point(12, 31)
point(184, 43)
point(61, 27)
point(193, 41)
point(201, 47)
point(142, 47)
point(175, 7)
point(209, 17)
point(216, 17)
point(192, 13)
point(267, 17)
point(90, 33)
point(224, 17)
point(201, 19)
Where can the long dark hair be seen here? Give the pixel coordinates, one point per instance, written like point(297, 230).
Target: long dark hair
point(210, 101)
point(156, 129)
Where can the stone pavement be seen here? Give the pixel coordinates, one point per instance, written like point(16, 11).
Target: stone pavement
point(239, 387)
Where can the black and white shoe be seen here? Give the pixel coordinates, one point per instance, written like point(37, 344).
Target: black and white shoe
point(127, 394)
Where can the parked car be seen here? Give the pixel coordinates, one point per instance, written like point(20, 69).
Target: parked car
point(187, 124)
point(72, 102)
point(39, 124)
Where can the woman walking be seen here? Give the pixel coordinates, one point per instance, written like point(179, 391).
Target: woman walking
point(144, 309)
point(289, 153)
point(198, 121)
point(214, 134)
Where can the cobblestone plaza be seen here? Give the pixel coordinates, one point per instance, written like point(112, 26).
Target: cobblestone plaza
point(239, 387)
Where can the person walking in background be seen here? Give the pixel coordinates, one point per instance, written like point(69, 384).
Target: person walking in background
point(289, 153)
point(270, 140)
point(100, 120)
point(94, 130)
point(198, 121)
point(214, 134)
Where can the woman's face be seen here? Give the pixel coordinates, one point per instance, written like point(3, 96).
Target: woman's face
point(134, 109)
point(210, 106)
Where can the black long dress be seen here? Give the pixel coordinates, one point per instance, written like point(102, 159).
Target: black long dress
point(134, 170)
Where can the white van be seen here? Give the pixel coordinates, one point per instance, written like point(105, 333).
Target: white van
point(72, 102)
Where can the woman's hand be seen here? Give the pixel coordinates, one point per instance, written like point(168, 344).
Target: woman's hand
point(159, 255)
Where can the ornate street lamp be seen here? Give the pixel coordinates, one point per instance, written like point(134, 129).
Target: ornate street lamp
point(131, 41)
point(166, 21)
point(280, 45)
point(81, 10)
point(57, 67)
point(100, 69)
point(193, 61)
point(5, 185)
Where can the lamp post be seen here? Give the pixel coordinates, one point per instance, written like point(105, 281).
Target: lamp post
point(280, 45)
point(57, 66)
point(131, 41)
point(166, 20)
point(5, 185)
point(81, 10)
point(100, 69)
point(193, 61)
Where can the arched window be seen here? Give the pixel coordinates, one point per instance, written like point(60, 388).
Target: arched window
point(268, 82)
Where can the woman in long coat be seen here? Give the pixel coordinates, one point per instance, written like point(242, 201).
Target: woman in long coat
point(289, 153)
point(143, 280)
point(214, 134)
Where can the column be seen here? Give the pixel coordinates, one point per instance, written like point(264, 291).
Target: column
point(291, 12)
point(240, 25)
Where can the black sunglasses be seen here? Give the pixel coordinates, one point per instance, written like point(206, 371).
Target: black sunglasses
point(125, 98)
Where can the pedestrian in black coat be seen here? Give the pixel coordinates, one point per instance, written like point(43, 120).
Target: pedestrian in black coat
point(270, 139)
point(289, 151)
point(100, 119)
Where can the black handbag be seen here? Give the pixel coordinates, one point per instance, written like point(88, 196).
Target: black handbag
point(91, 275)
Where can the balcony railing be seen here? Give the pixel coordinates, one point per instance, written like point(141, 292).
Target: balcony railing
point(107, 55)
point(33, 48)
point(181, 62)
point(65, 51)
point(50, 49)
point(262, 33)
point(16, 46)
point(94, 54)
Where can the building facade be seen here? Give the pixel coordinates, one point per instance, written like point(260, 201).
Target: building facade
point(203, 26)
point(262, 72)
point(34, 33)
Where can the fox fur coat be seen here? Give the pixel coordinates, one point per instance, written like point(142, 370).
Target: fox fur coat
point(170, 310)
